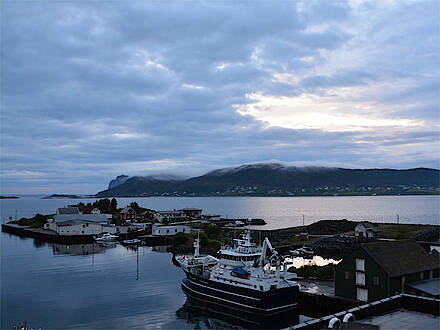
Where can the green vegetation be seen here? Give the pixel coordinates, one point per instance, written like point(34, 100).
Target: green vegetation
point(318, 272)
point(180, 239)
point(37, 221)
point(401, 231)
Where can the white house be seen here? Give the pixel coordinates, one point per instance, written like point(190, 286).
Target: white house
point(95, 211)
point(169, 230)
point(364, 230)
point(79, 224)
point(170, 216)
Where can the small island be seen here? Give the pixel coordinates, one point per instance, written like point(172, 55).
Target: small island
point(9, 197)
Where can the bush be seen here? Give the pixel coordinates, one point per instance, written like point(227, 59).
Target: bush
point(319, 272)
point(180, 239)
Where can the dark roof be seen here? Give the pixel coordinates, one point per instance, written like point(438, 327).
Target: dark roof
point(125, 209)
point(366, 224)
point(68, 210)
point(61, 218)
point(400, 257)
point(75, 222)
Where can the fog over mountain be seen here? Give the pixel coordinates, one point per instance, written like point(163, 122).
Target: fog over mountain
point(281, 180)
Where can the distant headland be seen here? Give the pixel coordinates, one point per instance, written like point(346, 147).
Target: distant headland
point(281, 180)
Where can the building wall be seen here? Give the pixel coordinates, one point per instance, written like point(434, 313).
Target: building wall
point(347, 287)
point(80, 229)
point(170, 230)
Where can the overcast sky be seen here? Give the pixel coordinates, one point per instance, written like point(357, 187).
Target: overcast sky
point(94, 89)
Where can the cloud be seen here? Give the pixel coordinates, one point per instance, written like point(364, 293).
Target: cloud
point(91, 90)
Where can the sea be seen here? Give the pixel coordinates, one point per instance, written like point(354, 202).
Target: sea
point(87, 286)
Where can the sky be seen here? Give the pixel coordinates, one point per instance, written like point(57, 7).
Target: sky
point(94, 89)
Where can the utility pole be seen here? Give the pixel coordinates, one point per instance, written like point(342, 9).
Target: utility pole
point(397, 218)
point(303, 220)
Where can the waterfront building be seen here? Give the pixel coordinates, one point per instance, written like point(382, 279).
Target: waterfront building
point(95, 211)
point(169, 230)
point(79, 224)
point(169, 216)
point(383, 268)
point(192, 212)
point(364, 230)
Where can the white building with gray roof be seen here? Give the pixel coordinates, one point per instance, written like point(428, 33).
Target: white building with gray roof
point(80, 224)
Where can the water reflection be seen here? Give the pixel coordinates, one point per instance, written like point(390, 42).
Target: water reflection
point(202, 314)
point(81, 249)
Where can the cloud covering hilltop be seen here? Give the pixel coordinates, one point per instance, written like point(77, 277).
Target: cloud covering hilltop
point(91, 89)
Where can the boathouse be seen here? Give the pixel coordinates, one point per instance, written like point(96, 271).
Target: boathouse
point(382, 269)
point(79, 224)
point(169, 230)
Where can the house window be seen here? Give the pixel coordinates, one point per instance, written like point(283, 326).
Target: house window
point(421, 276)
point(360, 264)
point(82, 231)
point(175, 230)
point(360, 278)
point(347, 275)
point(168, 231)
point(375, 280)
point(261, 287)
point(84, 226)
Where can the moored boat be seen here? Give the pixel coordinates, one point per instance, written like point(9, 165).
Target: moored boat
point(133, 241)
point(243, 278)
point(105, 237)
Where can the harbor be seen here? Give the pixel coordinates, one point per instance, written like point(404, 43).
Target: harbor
point(330, 242)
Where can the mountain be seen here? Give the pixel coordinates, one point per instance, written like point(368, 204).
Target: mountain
point(280, 180)
point(119, 180)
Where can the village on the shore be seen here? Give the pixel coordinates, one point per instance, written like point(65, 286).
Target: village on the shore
point(399, 257)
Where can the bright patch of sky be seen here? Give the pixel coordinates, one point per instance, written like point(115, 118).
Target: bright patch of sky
point(94, 89)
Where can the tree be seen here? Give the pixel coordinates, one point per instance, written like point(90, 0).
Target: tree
point(113, 205)
point(180, 239)
point(135, 207)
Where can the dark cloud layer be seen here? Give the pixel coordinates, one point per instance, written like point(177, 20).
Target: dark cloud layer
point(93, 89)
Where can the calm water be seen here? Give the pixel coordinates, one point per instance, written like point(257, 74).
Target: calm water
point(88, 287)
point(278, 212)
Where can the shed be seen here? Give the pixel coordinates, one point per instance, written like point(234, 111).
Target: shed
point(364, 230)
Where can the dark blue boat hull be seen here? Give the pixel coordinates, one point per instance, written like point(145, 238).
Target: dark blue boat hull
point(254, 302)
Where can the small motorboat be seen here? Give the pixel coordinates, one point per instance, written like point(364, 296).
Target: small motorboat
point(304, 251)
point(105, 237)
point(133, 241)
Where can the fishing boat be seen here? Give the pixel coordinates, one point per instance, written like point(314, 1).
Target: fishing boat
point(245, 278)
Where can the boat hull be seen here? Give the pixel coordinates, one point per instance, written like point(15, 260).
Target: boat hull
point(260, 304)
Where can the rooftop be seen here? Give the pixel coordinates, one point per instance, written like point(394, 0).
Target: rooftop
point(429, 286)
point(68, 210)
point(61, 218)
point(400, 257)
point(399, 319)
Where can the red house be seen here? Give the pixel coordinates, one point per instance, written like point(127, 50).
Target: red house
point(128, 213)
